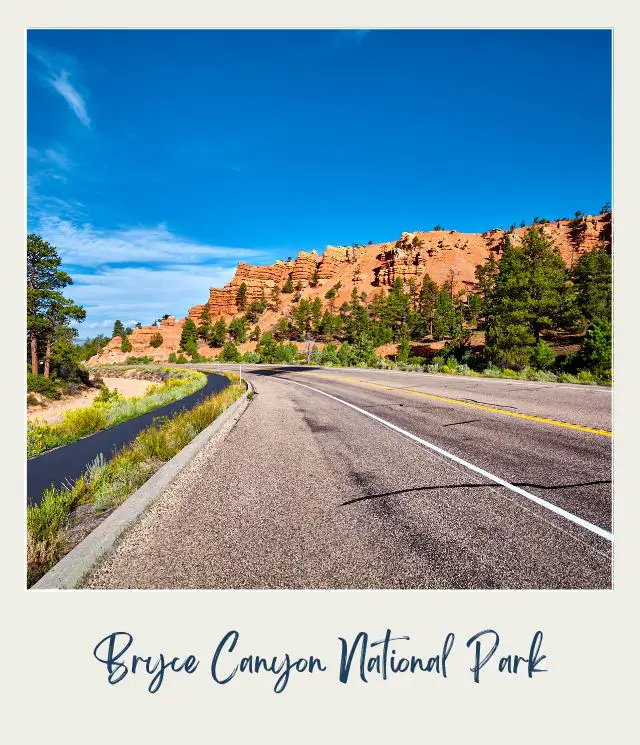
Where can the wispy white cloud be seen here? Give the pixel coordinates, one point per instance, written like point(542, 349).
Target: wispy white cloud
point(63, 85)
point(143, 294)
point(88, 246)
point(137, 273)
point(56, 72)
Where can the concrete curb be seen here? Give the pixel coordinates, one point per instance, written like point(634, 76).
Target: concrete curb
point(73, 567)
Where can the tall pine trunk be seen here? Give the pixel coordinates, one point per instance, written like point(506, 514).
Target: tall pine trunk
point(34, 354)
point(47, 359)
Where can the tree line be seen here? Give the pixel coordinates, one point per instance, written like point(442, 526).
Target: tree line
point(518, 300)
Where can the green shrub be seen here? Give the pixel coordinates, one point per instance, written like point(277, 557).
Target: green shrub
point(182, 360)
point(542, 356)
point(40, 384)
point(172, 357)
point(229, 353)
point(595, 352)
point(126, 344)
point(156, 340)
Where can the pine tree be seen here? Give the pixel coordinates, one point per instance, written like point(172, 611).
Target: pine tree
point(530, 294)
point(444, 317)
point(126, 344)
point(282, 329)
point(48, 311)
point(427, 304)
point(241, 296)
point(118, 329)
point(593, 283)
point(316, 314)
point(238, 330)
point(204, 327)
point(218, 333)
point(189, 337)
point(313, 282)
point(229, 353)
point(288, 285)
point(274, 302)
point(156, 340)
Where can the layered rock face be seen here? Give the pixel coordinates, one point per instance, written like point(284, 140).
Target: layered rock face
point(405, 261)
point(445, 255)
point(170, 329)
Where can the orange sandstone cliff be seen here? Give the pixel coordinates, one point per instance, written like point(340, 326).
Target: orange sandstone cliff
point(442, 254)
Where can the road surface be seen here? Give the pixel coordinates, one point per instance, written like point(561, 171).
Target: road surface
point(376, 479)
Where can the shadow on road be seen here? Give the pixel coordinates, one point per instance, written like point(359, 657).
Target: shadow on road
point(468, 486)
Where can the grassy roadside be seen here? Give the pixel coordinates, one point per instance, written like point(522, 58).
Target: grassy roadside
point(110, 409)
point(107, 485)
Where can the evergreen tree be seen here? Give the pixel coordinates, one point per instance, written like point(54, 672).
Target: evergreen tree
point(396, 312)
point(530, 294)
point(118, 329)
point(255, 334)
point(126, 344)
point(189, 337)
point(218, 333)
point(274, 302)
point(427, 305)
point(330, 326)
point(282, 329)
point(288, 286)
point(313, 282)
point(56, 331)
point(238, 330)
point(485, 281)
point(204, 327)
point(302, 318)
point(156, 340)
point(595, 353)
point(593, 283)
point(266, 348)
point(344, 355)
point(444, 316)
point(241, 296)
point(229, 353)
point(48, 311)
point(315, 311)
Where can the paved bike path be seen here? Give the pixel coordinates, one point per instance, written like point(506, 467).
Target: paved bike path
point(67, 463)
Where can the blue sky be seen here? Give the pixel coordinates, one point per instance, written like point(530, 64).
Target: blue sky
point(159, 159)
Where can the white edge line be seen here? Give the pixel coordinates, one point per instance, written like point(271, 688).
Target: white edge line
point(496, 479)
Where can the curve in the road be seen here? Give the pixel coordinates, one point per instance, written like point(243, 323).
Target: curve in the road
point(67, 463)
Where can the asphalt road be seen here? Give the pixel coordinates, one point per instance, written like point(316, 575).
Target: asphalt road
point(375, 479)
point(65, 464)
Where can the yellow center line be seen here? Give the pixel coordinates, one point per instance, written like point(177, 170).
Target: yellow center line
point(458, 402)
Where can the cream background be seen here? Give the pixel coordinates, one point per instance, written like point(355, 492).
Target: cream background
point(55, 691)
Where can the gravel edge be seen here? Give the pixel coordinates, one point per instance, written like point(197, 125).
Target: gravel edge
point(73, 567)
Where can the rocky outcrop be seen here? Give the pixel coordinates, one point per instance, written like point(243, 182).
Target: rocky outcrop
point(442, 254)
point(304, 267)
point(333, 260)
point(406, 261)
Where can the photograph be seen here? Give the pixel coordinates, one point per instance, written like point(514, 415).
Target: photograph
point(318, 309)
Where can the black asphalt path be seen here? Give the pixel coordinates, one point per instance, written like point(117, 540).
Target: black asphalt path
point(65, 464)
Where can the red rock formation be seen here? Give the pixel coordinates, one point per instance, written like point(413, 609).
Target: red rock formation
point(440, 254)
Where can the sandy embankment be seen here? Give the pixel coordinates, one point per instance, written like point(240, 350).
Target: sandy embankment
point(52, 412)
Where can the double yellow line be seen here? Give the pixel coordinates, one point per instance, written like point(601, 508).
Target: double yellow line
point(469, 405)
